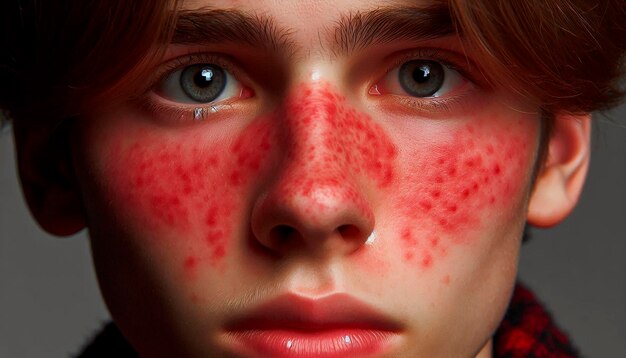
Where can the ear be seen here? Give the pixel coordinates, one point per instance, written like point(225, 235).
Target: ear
point(560, 181)
point(46, 173)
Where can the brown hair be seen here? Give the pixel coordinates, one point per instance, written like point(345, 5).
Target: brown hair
point(568, 55)
point(58, 56)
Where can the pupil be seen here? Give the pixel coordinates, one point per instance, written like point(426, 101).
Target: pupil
point(421, 74)
point(203, 82)
point(203, 78)
point(421, 78)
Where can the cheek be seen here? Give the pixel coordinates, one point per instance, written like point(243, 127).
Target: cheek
point(458, 190)
point(186, 187)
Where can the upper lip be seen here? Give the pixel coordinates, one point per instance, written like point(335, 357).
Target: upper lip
point(291, 311)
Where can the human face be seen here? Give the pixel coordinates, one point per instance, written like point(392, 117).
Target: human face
point(328, 201)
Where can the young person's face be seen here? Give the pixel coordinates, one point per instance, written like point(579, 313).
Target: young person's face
point(352, 194)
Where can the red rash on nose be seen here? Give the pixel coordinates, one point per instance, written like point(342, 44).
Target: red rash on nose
point(454, 183)
point(332, 154)
point(330, 148)
point(325, 130)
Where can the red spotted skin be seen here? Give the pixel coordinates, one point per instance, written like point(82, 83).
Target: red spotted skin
point(439, 188)
point(192, 187)
point(314, 174)
point(457, 185)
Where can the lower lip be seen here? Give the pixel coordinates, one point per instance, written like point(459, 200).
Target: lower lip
point(318, 344)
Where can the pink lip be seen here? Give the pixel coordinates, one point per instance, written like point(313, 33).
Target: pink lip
point(295, 326)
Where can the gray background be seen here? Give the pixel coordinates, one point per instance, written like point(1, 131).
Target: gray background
point(50, 305)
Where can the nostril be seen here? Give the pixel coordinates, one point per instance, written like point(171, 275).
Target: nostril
point(281, 233)
point(349, 232)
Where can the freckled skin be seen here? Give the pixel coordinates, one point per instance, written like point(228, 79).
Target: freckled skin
point(352, 139)
point(328, 144)
point(455, 185)
point(194, 189)
point(175, 206)
point(191, 189)
point(180, 201)
point(176, 185)
point(190, 266)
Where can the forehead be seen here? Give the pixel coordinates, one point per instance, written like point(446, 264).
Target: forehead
point(338, 27)
point(303, 13)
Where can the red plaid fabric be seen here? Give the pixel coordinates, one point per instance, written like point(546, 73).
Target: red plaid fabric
point(528, 331)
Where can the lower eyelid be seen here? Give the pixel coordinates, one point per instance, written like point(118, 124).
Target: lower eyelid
point(437, 107)
point(164, 112)
point(160, 106)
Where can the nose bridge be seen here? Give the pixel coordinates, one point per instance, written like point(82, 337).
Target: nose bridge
point(314, 179)
point(311, 122)
point(324, 132)
point(314, 199)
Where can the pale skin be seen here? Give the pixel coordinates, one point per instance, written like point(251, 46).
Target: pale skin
point(315, 173)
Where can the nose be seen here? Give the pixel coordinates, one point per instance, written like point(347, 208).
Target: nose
point(314, 203)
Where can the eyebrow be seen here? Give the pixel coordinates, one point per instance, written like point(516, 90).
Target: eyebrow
point(215, 26)
point(352, 32)
point(359, 30)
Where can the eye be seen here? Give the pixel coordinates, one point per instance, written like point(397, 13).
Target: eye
point(421, 78)
point(199, 83)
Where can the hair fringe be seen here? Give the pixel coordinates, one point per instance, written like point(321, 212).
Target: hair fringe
point(567, 55)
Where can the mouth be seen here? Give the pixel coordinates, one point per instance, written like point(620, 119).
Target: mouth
point(294, 326)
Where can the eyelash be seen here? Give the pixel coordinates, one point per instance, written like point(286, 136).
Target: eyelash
point(189, 59)
point(444, 57)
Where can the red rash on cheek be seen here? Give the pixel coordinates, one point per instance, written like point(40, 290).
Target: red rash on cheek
point(191, 188)
point(454, 186)
point(190, 266)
